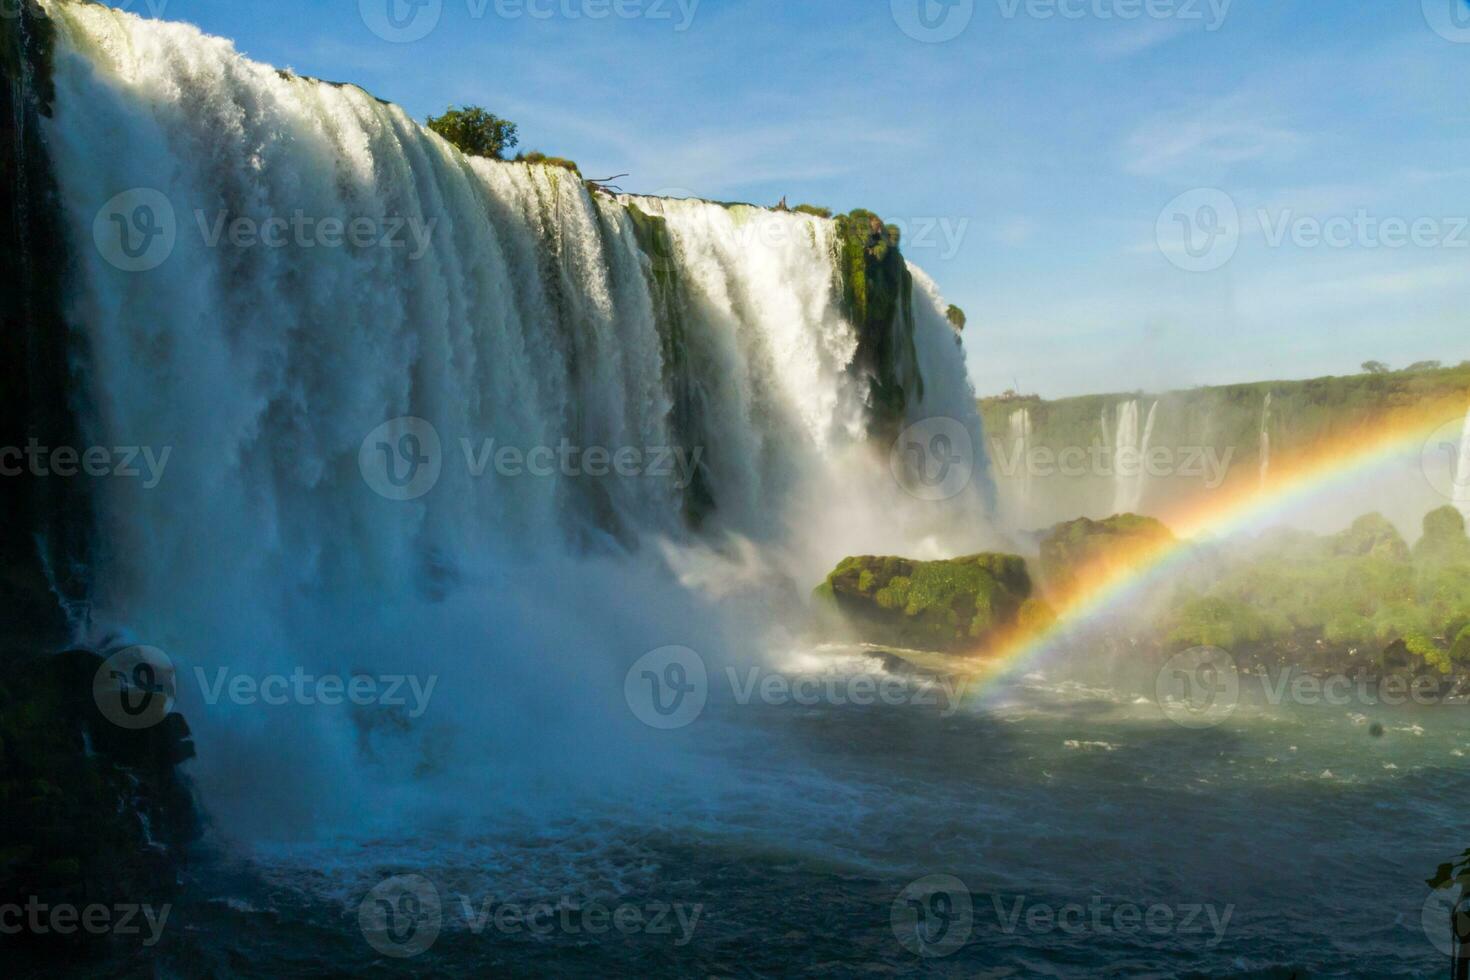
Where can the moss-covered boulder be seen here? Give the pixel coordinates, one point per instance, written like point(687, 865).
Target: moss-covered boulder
point(957, 604)
point(1415, 653)
point(1372, 536)
point(1075, 551)
point(1460, 652)
point(1444, 541)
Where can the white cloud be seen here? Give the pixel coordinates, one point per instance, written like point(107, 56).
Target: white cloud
point(1201, 144)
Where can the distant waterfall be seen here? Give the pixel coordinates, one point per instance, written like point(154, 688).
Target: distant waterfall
point(1462, 472)
point(355, 427)
point(1265, 450)
point(1020, 448)
point(1130, 453)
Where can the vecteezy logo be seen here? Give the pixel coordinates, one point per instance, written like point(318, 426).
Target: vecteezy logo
point(667, 688)
point(934, 458)
point(1446, 919)
point(401, 916)
point(1446, 460)
point(1450, 19)
point(1199, 230)
point(402, 458)
point(933, 916)
point(134, 688)
point(932, 21)
point(1198, 688)
point(401, 21)
point(136, 230)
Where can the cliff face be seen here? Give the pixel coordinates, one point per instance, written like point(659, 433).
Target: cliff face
point(47, 524)
point(1054, 460)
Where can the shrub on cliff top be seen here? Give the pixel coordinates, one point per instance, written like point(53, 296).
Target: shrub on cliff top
point(475, 131)
point(536, 156)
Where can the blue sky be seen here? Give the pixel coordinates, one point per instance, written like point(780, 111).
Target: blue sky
point(1036, 158)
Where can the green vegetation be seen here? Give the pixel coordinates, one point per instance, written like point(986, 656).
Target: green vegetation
point(1444, 541)
point(1227, 423)
point(536, 156)
point(1372, 536)
point(956, 317)
point(813, 209)
point(1303, 413)
point(1214, 621)
point(1076, 550)
point(1358, 592)
point(877, 297)
point(1460, 653)
point(957, 604)
point(475, 131)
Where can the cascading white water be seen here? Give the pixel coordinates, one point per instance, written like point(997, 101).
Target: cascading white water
point(517, 307)
point(1130, 452)
point(1265, 445)
point(1020, 446)
point(1462, 472)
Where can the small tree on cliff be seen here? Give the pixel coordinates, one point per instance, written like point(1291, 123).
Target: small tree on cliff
point(1375, 367)
point(475, 131)
point(956, 318)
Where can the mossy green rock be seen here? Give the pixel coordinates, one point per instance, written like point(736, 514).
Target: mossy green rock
point(1373, 536)
point(959, 603)
point(1075, 549)
point(1445, 541)
point(1460, 652)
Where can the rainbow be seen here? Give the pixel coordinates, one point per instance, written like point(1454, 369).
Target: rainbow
point(1231, 510)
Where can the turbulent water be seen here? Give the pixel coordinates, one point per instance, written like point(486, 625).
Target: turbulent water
point(1288, 842)
point(289, 530)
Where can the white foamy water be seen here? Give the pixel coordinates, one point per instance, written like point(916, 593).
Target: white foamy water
point(1130, 450)
point(1020, 446)
point(1462, 472)
point(498, 302)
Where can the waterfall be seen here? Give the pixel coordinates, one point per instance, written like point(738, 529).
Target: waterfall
point(1265, 445)
point(1130, 453)
point(485, 307)
point(1020, 448)
point(1462, 472)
